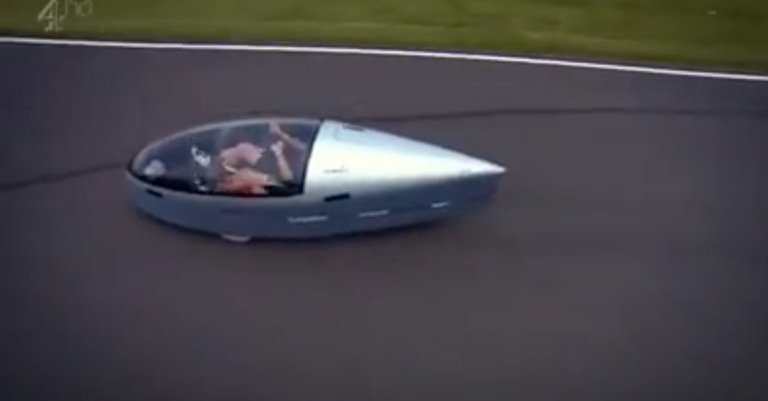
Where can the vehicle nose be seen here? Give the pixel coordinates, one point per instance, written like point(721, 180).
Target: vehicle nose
point(481, 168)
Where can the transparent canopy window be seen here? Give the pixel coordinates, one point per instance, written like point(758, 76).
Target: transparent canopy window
point(255, 157)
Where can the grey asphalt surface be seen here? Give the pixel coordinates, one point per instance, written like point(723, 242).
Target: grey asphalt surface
point(624, 259)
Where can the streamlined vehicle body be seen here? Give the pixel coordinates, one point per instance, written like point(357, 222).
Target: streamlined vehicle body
point(345, 179)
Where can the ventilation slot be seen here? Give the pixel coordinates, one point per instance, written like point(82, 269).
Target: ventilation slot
point(336, 198)
point(154, 193)
point(373, 213)
point(307, 219)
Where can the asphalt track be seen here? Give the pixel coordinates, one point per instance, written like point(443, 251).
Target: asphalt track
point(624, 259)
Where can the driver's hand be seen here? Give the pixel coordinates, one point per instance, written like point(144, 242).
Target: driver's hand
point(277, 148)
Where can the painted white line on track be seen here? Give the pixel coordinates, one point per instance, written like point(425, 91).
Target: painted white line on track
point(387, 52)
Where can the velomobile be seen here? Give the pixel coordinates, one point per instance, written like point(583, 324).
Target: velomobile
point(284, 178)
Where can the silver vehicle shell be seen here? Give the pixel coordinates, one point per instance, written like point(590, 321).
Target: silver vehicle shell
point(353, 179)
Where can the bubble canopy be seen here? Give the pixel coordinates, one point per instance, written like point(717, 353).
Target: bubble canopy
point(209, 159)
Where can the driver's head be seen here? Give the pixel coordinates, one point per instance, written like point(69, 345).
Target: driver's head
point(242, 145)
point(242, 154)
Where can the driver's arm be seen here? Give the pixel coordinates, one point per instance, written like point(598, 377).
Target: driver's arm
point(291, 141)
point(286, 173)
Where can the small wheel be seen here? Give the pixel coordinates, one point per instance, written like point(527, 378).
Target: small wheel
point(241, 239)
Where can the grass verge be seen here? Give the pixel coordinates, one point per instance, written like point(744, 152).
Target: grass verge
point(712, 33)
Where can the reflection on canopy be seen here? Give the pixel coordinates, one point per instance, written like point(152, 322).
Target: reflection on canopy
point(231, 158)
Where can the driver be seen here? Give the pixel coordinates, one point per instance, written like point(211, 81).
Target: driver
point(240, 161)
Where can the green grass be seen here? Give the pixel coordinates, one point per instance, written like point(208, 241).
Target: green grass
point(681, 32)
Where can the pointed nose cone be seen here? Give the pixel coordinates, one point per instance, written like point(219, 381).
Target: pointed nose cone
point(449, 164)
point(390, 160)
point(480, 168)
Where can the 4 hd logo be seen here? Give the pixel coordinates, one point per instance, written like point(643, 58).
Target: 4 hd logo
point(56, 11)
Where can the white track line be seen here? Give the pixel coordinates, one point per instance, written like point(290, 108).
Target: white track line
point(387, 52)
